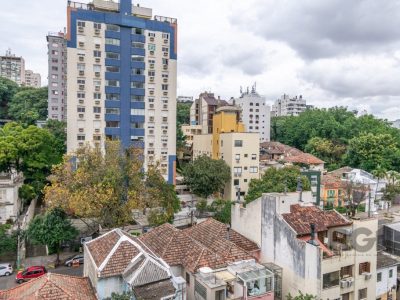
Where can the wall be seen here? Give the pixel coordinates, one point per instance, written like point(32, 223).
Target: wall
point(202, 145)
point(386, 284)
point(247, 220)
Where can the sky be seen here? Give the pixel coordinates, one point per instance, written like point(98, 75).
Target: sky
point(333, 52)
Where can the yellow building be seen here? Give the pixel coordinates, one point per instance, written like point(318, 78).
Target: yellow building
point(238, 148)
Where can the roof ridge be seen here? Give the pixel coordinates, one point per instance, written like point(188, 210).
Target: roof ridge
point(48, 280)
point(101, 236)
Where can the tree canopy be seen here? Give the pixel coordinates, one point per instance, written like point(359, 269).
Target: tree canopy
point(29, 105)
point(30, 150)
point(340, 137)
point(205, 176)
point(107, 186)
point(8, 241)
point(51, 229)
point(183, 112)
point(8, 88)
point(277, 180)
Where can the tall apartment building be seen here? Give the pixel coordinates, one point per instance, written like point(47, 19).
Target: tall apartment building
point(255, 113)
point(203, 110)
point(12, 67)
point(32, 79)
point(57, 70)
point(286, 106)
point(122, 79)
point(230, 142)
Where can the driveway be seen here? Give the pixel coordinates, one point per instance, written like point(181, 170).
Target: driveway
point(8, 282)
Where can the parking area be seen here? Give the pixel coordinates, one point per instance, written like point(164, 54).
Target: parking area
point(8, 282)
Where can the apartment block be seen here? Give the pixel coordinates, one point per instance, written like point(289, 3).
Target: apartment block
point(122, 79)
point(238, 148)
point(322, 253)
point(12, 67)
point(255, 113)
point(203, 110)
point(57, 70)
point(189, 131)
point(288, 106)
point(32, 79)
point(10, 203)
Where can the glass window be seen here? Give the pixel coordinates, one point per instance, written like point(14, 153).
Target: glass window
point(137, 71)
point(137, 125)
point(97, 96)
point(137, 45)
point(96, 53)
point(112, 55)
point(379, 277)
point(137, 85)
point(362, 294)
point(96, 109)
point(238, 143)
point(114, 83)
point(112, 110)
point(151, 47)
point(237, 156)
point(390, 273)
point(111, 41)
point(164, 87)
point(220, 295)
point(137, 58)
point(81, 24)
point(97, 25)
point(112, 124)
point(81, 67)
point(330, 279)
point(364, 267)
point(80, 109)
point(137, 112)
point(112, 96)
point(137, 31)
point(96, 68)
point(80, 137)
point(254, 156)
point(136, 98)
point(113, 69)
point(253, 169)
point(112, 27)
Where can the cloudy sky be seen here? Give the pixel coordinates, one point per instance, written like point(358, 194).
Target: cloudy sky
point(333, 52)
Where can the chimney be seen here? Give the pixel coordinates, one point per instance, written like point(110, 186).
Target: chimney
point(313, 241)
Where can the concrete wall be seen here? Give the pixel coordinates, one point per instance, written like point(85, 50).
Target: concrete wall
point(202, 145)
point(386, 284)
point(247, 220)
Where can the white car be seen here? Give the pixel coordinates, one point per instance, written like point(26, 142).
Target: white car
point(6, 269)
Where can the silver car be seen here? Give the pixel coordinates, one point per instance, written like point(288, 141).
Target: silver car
point(6, 269)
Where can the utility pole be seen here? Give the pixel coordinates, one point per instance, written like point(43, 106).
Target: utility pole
point(369, 202)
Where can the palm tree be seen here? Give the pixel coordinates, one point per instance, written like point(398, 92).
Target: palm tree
point(392, 177)
point(379, 173)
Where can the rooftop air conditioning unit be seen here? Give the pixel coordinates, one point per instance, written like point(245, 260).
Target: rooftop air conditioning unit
point(97, 130)
point(343, 283)
point(97, 60)
point(165, 53)
point(165, 80)
point(367, 276)
point(151, 66)
point(165, 41)
point(151, 52)
point(81, 58)
point(97, 74)
point(97, 46)
point(81, 87)
point(151, 78)
point(97, 88)
point(151, 39)
point(97, 31)
point(165, 67)
point(80, 29)
point(165, 93)
point(349, 282)
point(81, 73)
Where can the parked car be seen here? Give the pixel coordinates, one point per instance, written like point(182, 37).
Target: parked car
point(78, 257)
point(30, 273)
point(6, 269)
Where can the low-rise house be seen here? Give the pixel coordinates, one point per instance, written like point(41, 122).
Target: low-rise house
point(10, 203)
point(386, 276)
point(52, 287)
point(332, 191)
point(204, 255)
point(322, 253)
point(118, 262)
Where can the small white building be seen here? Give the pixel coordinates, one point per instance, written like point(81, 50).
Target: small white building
point(386, 276)
point(10, 203)
point(287, 106)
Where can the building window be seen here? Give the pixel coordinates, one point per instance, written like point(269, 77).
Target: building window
point(137, 85)
point(114, 83)
point(54, 76)
point(364, 267)
point(137, 71)
point(96, 53)
point(80, 67)
point(253, 169)
point(80, 109)
point(81, 24)
point(379, 277)
point(96, 109)
point(112, 27)
point(237, 171)
point(80, 95)
point(151, 47)
point(362, 294)
point(112, 96)
point(238, 143)
point(330, 279)
point(113, 110)
point(80, 137)
point(390, 273)
point(152, 73)
point(220, 295)
point(112, 124)
point(187, 278)
point(110, 41)
point(112, 69)
point(164, 87)
point(112, 55)
point(97, 25)
point(152, 34)
point(346, 271)
point(165, 61)
point(136, 98)
point(165, 35)
point(137, 58)
point(254, 156)
point(97, 96)
point(137, 45)
point(137, 31)
point(137, 112)
point(237, 156)
point(137, 125)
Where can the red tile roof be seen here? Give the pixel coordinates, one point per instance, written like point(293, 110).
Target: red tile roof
point(205, 244)
point(52, 287)
point(300, 218)
point(331, 182)
point(304, 158)
point(101, 247)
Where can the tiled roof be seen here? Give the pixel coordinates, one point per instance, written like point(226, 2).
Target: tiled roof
point(339, 172)
point(304, 158)
point(205, 244)
point(300, 218)
point(52, 287)
point(331, 182)
point(155, 291)
point(127, 257)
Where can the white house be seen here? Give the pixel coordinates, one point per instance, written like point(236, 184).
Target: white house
point(386, 276)
point(10, 203)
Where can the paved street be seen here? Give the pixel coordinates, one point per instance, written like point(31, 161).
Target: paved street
point(7, 282)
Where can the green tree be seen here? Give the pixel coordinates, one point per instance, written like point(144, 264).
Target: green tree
point(301, 296)
point(276, 180)
point(368, 151)
point(8, 241)
point(8, 88)
point(51, 229)
point(124, 296)
point(379, 174)
point(180, 138)
point(206, 176)
point(328, 151)
point(29, 105)
point(222, 209)
point(59, 130)
point(183, 113)
point(30, 150)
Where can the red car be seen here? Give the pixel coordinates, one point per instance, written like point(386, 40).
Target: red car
point(29, 273)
